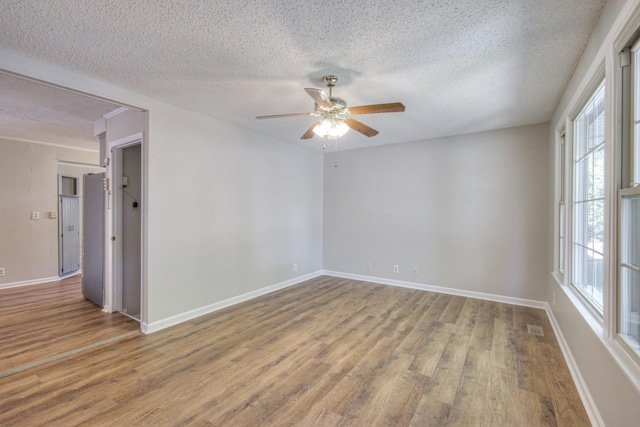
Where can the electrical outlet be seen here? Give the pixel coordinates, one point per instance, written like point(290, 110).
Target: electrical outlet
point(35, 215)
point(2, 272)
point(369, 266)
point(396, 269)
point(415, 271)
point(295, 267)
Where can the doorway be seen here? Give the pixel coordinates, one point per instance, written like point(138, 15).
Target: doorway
point(68, 226)
point(126, 210)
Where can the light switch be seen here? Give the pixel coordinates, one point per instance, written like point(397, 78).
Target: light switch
point(53, 214)
point(35, 215)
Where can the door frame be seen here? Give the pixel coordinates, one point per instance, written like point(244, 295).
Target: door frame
point(113, 225)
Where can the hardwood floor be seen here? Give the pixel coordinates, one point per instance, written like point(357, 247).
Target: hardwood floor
point(326, 352)
point(41, 321)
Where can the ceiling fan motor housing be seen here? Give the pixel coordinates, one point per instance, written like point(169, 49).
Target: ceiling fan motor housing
point(339, 107)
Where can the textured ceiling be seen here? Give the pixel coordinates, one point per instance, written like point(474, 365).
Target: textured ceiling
point(37, 112)
point(459, 66)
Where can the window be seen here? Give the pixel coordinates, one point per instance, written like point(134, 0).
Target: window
point(629, 211)
point(630, 269)
point(67, 186)
point(561, 206)
point(588, 200)
point(597, 199)
point(634, 148)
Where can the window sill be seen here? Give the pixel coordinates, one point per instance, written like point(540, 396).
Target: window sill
point(622, 358)
point(559, 277)
point(590, 315)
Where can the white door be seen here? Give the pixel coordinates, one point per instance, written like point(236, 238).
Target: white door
point(69, 241)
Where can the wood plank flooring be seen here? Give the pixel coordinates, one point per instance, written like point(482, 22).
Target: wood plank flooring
point(328, 352)
point(41, 321)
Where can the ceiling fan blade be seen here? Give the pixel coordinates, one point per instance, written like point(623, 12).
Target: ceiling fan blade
point(277, 116)
point(319, 97)
point(394, 107)
point(361, 127)
point(310, 133)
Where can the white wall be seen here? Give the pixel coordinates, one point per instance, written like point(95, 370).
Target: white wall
point(28, 183)
point(468, 211)
point(612, 390)
point(230, 211)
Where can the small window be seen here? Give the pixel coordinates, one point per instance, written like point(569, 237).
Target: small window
point(68, 186)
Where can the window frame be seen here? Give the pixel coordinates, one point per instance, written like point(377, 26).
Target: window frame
point(560, 207)
point(599, 83)
point(633, 147)
point(632, 348)
point(628, 173)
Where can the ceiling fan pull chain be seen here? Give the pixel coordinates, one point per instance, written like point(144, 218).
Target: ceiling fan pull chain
point(336, 155)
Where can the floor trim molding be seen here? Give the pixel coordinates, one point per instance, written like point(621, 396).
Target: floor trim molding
point(29, 282)
point(581, 385)
point(158, 325)
point(440, 289)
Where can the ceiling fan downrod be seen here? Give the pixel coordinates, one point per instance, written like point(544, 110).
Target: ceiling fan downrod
point(330, 81)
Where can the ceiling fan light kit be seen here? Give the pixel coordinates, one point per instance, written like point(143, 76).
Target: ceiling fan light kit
point(331, 128)
point(336, 118)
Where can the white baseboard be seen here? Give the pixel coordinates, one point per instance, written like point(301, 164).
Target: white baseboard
point(583, 390)
point(441, 290)
point(29, 282)
point(158, 325)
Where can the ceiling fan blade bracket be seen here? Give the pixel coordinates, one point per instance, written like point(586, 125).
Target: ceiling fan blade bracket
point(319, 97)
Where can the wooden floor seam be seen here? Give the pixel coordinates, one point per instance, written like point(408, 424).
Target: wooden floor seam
point(66, 354)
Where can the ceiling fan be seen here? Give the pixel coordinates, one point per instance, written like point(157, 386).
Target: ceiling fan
point(335, 117)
